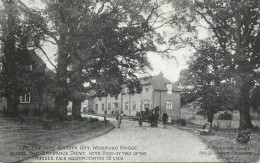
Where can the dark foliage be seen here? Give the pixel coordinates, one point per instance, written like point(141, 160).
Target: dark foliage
point(225, 116)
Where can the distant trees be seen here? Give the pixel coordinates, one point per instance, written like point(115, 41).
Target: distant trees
point(203, 82)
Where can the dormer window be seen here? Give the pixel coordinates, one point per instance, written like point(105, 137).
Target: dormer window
point(125, 90)
point(146, 89)
point(169, 88)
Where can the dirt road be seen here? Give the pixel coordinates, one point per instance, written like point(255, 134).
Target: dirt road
point(133, 143)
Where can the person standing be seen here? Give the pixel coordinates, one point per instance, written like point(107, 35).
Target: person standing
point(105, 117)
point(119, 117)
point(164, 119)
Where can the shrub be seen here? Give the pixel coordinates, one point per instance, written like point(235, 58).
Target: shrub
point(48, 111)
point(91, 112)
point(256, 128)
point(216, 126)
point(173, 121)
point(227, 115)
point(182, 122)
point(93, 119)
point(25, 111)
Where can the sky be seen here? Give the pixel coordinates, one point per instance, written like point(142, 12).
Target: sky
point(169, 67)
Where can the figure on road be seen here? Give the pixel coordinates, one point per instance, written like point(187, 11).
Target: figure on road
point(119, 117)
point(164, 119)
point(105, 117)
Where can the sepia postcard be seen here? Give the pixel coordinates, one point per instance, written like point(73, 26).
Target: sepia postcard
point(129, 81)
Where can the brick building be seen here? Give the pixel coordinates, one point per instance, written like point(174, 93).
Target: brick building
point(157, 91)
point(35, 99)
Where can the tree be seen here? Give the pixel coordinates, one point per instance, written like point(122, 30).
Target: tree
point(235, 24)
point(103, 44)
point(19, 31)
point(206, 81)
point(235, 27)
point(255, 103)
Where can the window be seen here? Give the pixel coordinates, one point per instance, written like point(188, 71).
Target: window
point(25, 98)
point(103, 107)
point(126, 105)
point(141, 106)
point(147, 106)
point(169, 105)
point(31, 67)
point(134, 105)
point(109, 106)
point(146, 89)
point(169, 88)
point(1, 66)
point(84, 107)
point(96, 107)
point(125, 90)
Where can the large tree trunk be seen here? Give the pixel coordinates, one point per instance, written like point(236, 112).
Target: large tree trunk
point(245, 117)
point(61, 99)
point(210, 116)
point(12, 106)
point(76, 102)
point(61, 106)
point(9, 65)
point(76, 107)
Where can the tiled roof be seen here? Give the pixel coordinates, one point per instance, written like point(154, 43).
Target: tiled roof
point(159, 82)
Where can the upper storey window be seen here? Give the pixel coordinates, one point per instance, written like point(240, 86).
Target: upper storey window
point(169, 88)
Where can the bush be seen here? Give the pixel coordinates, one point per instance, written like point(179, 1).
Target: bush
point(216, 126)
point(25, 111)
point(48, 111)
point(91, 112)
point(256, 128)
point(93, 119)
point(227, 115)
point(173, 121)
point(182, 122)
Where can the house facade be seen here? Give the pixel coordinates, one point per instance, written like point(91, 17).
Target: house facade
point(157, 91)
point(38, 98)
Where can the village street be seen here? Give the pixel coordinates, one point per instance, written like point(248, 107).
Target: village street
point(133, 143)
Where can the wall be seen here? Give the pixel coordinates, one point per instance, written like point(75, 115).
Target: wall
point(2, 103)
point(47, 102)
point(163, 96)
point(148, 96)
point(145, 97)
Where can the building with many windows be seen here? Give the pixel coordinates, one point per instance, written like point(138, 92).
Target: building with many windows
point(157, 91)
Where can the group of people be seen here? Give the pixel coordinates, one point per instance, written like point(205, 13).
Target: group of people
point(119, 117)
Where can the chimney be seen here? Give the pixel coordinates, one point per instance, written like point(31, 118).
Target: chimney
point(160, 74)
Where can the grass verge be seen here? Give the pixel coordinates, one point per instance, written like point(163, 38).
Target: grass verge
point(223, 144)
point(20, 136)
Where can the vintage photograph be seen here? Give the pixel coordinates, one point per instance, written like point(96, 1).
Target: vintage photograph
point(129, 80)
